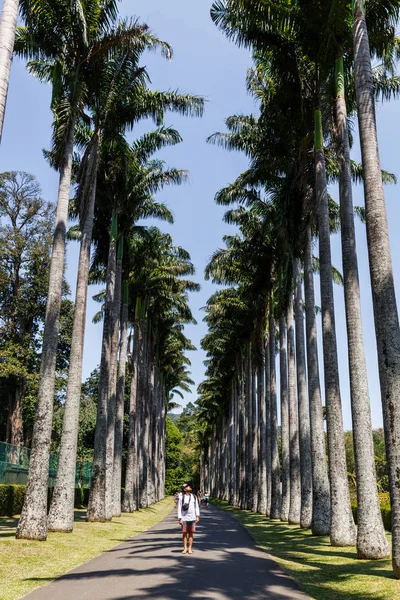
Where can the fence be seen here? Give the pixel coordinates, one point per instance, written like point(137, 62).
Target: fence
point(14, 466)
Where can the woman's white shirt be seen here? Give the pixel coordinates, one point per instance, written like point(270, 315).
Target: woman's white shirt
point(192, 512)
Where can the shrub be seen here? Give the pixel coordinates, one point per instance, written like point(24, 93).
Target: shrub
point(386, 512)
point(79, 498)
point(5, 500)
point(17, 498)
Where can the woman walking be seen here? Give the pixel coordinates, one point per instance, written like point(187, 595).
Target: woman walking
point(188, 516)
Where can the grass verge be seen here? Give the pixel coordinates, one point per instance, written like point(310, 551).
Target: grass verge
point(26, 565)
point(322, 571)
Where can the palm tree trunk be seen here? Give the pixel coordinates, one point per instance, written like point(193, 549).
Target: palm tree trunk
point(275, 466)
point(112, 385)
point(97, 498)
point(145, 421)
point(33, 521)
point(371, 538)
point(321, 518)
point(284, 421)
point(254, 441)
point(268, 430)
point(61, 514)
point(262, 507)
point(242, 435)
point(342, 531)
point(8, 26)
point(380, 263)
point(249, 445)
point(304, 409)
point(294, 448)
point(119, 422)
point(129, 503)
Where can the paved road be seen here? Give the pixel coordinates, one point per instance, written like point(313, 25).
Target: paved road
point(225, 565)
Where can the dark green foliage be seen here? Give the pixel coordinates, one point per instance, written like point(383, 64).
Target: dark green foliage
point(5, 500)
point(12, 498)
point(386, 512)
point(17, 493)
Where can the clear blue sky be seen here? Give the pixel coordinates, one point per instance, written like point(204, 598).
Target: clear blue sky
point(205, 63)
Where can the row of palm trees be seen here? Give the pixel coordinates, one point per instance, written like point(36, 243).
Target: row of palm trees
point(312, 74)
point(91, 58)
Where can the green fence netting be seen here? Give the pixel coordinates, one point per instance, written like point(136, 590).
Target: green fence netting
point(14, 466)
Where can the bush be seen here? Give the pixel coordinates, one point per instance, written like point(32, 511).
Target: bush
point(12, 498)
point(17, 498)
point(79, 498)
point(386, 512)
point(5, 500)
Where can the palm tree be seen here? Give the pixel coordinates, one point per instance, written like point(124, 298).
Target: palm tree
point(8, 25)
point(275, 510)
point(284, 516)
point(321, 517)
point(62, 48)
point(304, 413)
point(383, 293)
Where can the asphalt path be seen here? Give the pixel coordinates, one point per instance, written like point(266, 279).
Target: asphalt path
point(225, 565)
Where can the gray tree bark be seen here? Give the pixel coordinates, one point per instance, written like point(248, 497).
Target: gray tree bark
point(119, 421)
point(61, 514)
point(262, 508)
point(33, 521)
point(380, 263)
point(284, 421)
point(371, 538)
point(294, 448)
point(8, 26)
point(321, 519)
point(343, 532)
point(304, 412)
point(275, 466)
point(254, 440)
point(129, 503)
point(268, 434)
point(97, 498)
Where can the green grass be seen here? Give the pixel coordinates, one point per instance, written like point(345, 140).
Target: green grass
point(26, 565)
point(322, 571)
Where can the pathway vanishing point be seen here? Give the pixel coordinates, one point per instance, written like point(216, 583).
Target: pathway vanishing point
point(225, 565)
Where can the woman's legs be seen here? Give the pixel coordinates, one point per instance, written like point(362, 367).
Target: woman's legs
point(190, 535)
point(185, 539)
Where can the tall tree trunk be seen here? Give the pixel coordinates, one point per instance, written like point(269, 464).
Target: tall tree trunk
point(268, 461)
point(242, 435)
point(254, 440)
point(249, 443)
point(144, 499)
point(275, 466)
point(112, 386)
point(61, 514)
point(262, 507)
point(97, 498)
point(294, 448)
point(321, 519)
point(343, 532)
point(119, 421)
point(33, 521)
point(8, 26)
point(284, 420)
point(304, 409)
point(371, 537)
point(380, 263)
point(129, 503)
point(15, 426)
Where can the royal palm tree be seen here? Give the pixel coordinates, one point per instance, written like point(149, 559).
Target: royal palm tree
point(8, 25)
point(62, 48)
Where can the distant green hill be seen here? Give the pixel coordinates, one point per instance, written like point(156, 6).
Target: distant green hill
point(173, 416)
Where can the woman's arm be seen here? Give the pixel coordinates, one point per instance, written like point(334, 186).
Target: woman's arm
point(180, 508)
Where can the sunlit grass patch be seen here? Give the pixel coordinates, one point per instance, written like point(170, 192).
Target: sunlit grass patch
point(25, 565)
point(322, 571)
